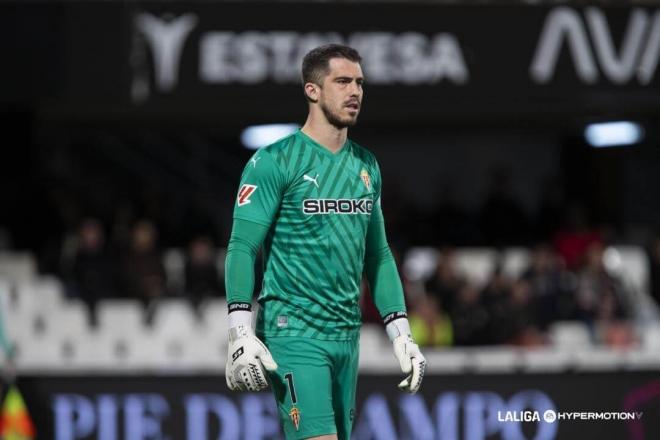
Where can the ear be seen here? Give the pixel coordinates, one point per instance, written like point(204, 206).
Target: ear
point(312, 91)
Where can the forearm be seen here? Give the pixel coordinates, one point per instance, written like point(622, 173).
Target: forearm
point(385, 283)
point(246, 238)
point(381, 270)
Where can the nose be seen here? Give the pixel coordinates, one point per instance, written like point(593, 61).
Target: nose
point(356, 90)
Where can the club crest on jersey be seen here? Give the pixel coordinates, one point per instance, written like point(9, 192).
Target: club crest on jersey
point(244, 194)
point(364, 175)
point(295, 417)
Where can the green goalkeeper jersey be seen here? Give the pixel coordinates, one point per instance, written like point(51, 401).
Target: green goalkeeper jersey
point(317, 205)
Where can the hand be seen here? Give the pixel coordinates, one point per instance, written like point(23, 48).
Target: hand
point(246, 359)
point(412, 363)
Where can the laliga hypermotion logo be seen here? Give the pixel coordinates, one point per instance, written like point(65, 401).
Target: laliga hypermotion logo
point(244, 194)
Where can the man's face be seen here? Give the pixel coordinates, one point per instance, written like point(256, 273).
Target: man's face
point(340, 95)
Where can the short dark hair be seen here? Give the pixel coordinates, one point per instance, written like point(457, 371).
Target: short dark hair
point(316, 63)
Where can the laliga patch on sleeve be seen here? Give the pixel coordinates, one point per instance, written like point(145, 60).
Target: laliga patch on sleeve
point(245, 193)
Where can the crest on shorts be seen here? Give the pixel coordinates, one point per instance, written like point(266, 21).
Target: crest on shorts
point(364, 175)
point(295, 417)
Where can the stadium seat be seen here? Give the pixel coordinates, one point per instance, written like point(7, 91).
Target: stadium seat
point(102, 351)
point(420, 263)
point(17, 267)
point(40, 295)
point(214, 316)
point(38, 355)
point(175, 317)
point(570, 335)
point(372, 340)
point(515, 261)
point(446, 361)
point(477, 264)
point(545, 360)
point(69, 320)
point(599, 359)
point(495, 360)
point(181, 342)
point(120, 316)
point(122, 337)
point(647, 355)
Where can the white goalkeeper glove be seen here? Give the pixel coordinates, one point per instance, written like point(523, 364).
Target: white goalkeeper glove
point(410, 359)
point(247, 356)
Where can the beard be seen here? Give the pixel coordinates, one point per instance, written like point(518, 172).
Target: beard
point(335, 119)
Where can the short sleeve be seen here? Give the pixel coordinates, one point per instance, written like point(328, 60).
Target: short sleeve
point(260, 191)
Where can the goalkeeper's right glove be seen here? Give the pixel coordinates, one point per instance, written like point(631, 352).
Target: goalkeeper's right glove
point(247, 356)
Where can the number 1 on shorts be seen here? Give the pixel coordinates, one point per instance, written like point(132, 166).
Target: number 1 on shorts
point(292, 388)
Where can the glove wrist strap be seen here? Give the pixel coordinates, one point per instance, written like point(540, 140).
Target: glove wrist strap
point(240, 324)
point(398, 327)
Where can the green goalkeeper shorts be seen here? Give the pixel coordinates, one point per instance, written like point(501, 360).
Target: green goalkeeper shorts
point(314, 385)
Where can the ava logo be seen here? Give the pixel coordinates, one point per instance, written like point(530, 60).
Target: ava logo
point(637, 55)
point(244, 194)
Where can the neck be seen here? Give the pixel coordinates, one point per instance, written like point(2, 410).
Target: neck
point(326, 134)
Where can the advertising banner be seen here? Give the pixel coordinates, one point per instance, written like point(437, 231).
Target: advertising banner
point(468, 407)
point(423, 62)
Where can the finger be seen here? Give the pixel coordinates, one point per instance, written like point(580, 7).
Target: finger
point(230, 383)
point(402, 355)
point(417, 375)
point(227, 377)
point(267, 360)
point(405, 384)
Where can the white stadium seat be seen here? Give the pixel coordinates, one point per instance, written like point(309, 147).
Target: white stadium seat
point(17, 267)
point(546, 360)
point(175, 317)
point(214, 316)
point(120, 316)
point(570, 335)
point(476, 264)
point(515, 261)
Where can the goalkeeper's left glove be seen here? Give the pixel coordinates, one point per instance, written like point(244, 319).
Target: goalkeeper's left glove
point(410, 359)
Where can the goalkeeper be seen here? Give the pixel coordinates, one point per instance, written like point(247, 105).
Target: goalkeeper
point(312, 200)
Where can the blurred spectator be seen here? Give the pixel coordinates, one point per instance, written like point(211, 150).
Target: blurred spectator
point(92, 274)
point(445, 284)
point(575, 237)
point(469, 318)
point(143, 271)
point(202, 278)
point(429, 324)
point(599, 295)
point(552, 287)
point(495, 298)
point(522, 326)
point(654, 261)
